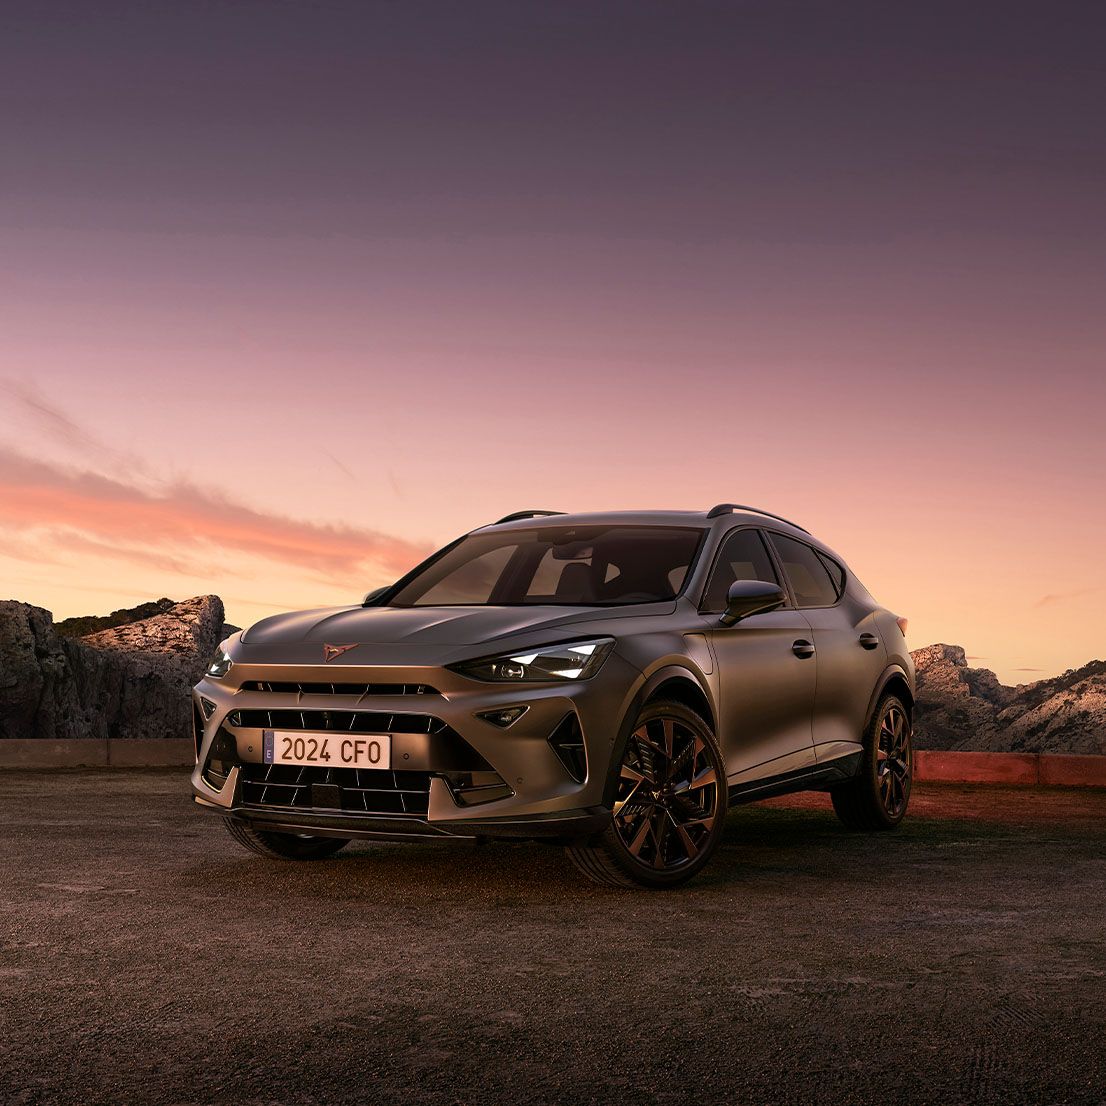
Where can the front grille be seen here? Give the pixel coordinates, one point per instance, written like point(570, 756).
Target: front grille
point(360, 790)
point(342, 721)
point(292, 687)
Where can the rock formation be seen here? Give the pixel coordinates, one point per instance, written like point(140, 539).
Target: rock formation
point(83, 625)
point(130, 681)
point(967, 708)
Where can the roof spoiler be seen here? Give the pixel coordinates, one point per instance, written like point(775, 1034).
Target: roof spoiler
point(729, 508)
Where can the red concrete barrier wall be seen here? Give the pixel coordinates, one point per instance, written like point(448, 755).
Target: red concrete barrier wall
point(1072, 770)
point(938, 766)
point(1045, 769)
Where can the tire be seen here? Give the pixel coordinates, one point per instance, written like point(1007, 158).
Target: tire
point(670, 804)
point(877, 797)
point(283, 846)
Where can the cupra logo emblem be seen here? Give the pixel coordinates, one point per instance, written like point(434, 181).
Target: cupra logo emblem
point(332, 651)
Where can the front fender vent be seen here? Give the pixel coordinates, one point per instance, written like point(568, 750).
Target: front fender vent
point(221, 757)
point(197, 728)
point(568, 743)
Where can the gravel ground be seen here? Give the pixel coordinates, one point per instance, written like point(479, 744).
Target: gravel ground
point(146, 958)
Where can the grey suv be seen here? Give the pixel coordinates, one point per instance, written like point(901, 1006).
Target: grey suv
point(608, 682)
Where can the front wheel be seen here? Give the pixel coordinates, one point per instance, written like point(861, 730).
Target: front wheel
point(670, 804)
point(283, 846)
point(877, 798)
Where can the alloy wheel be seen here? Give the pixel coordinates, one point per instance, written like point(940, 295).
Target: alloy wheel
point(666, 804)
point(894, 760)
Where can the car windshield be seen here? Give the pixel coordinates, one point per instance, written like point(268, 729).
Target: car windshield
point(570, 566)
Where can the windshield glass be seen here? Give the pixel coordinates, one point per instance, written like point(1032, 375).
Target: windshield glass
point(570, 566)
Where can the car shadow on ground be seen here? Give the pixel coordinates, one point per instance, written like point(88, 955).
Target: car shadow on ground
point(759, 844)
point(798, 840)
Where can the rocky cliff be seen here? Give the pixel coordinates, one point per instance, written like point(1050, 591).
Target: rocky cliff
point(967, 708)
point(129, 681)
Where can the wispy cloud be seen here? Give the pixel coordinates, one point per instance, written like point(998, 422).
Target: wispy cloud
point(341, 466)
point(55, 424)
point(1064, 596)
point(179, 521)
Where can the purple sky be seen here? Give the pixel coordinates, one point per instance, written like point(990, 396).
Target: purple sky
point(367, 275)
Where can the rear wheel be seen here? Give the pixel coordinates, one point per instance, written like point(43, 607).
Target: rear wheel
point(670, 804)
point(877, 798)
point(283, 846)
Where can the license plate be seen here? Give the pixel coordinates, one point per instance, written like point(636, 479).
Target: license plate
point(327, 750)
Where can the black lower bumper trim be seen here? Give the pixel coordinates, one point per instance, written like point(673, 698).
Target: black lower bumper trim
point(567, 825)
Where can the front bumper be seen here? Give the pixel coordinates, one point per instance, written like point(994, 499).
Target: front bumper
point(453, 773)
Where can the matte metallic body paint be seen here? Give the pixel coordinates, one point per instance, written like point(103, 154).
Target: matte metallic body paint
point(783, 721)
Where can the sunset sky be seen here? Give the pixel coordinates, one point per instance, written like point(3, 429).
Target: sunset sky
point(291, 293)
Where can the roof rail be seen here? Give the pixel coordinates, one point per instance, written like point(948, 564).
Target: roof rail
point(729, 508)
point(525, 514)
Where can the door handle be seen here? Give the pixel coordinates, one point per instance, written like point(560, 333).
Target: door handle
point(802, 648)
point(869, 641)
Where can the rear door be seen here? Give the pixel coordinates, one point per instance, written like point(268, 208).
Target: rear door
point(766, 683)
point(848, 647)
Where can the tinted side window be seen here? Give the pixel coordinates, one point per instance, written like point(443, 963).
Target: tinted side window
point(837, 573)
point(742, 557)
point(810, 580)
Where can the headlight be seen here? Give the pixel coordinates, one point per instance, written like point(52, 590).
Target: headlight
point(220, 664)
point(576, 661)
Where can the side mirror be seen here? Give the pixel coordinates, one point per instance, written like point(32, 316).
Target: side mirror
point(372, 596)
point(746, 597)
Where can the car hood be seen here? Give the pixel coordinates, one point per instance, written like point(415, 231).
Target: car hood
point(426, 625)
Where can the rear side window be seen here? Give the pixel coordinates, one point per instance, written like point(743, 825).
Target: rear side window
point(807, 572)
point(742, 557)
point(837, 573)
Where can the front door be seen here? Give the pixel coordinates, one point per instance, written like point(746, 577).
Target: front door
point(766, 671)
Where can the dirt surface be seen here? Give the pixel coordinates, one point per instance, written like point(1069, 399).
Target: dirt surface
point(146, 958)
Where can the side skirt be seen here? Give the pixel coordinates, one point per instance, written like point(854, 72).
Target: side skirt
point(821, 777)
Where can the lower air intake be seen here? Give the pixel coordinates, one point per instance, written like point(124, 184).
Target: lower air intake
point(353, 790)
point(568, 743)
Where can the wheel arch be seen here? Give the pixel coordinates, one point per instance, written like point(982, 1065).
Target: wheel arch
point(672, 681)
point(683, 688)
point(893, 679)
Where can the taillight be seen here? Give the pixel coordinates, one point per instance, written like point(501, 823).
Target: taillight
point(902, 624)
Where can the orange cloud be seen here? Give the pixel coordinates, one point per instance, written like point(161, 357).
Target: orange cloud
point(181, 518)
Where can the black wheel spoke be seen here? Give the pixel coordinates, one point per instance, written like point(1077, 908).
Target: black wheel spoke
point(691, 849)
point(660, 837)
point(704, 779)
point(637, 802)
point(639, 837)
point(687, 756)
point(668, 728)
point(687, 810)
